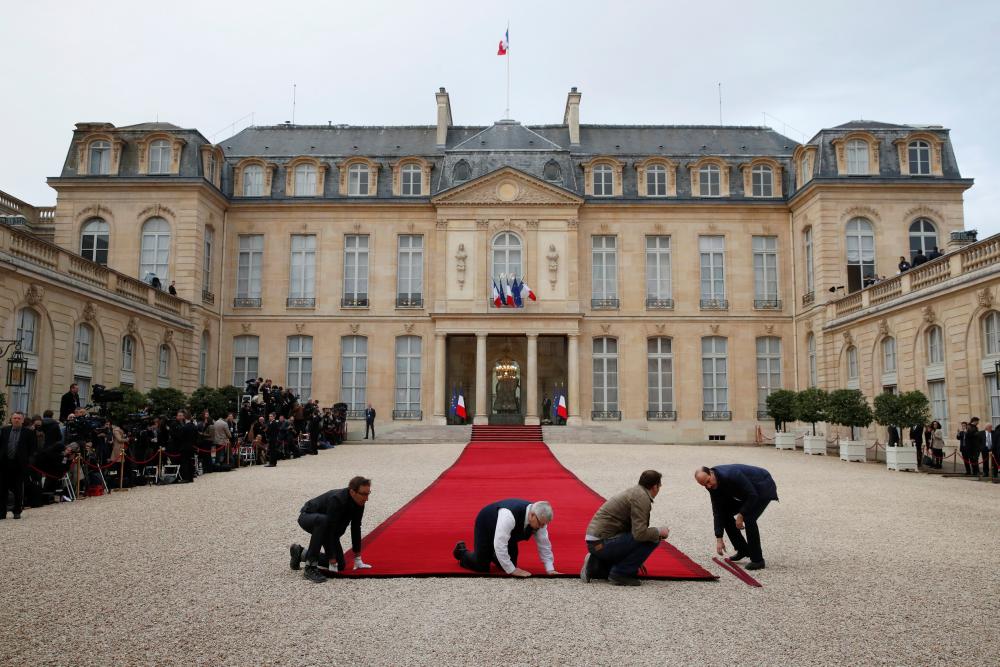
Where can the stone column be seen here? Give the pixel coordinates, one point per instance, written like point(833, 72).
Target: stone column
point(573, 381)
point(531, 414)
point(482, 409)
point(440, 394)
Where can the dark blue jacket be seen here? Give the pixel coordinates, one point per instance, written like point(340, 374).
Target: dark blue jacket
point(740, 484)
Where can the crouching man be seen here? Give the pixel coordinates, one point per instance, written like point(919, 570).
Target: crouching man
point(740, 494)
point(326, 518)
point(498, 529)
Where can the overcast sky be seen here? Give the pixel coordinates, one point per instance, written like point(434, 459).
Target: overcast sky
point(210, 64)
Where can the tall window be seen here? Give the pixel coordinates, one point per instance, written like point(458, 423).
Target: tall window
point(128, 353)
point(83, 388)
point(100, 158)
point(353, 371)
point(27, 328)
point(357, 180)
point(412, 183)
point(857, 157)
point(155, 253)
point(889, 355)
point(768, 369)
point(804, 169)
point(658, 286)
point(206, 274)
point(762, 181)
point(203, 360)
point(163, 367)
point(604, 258)
point(21, 397)
point(852, 363)
point(994, 397)
point(245, 351)
point(356, 270)
point(83, 343)
point(604, 180)
point(808, 239)
point(408, 375)
point(660, 374)
point(94, 241)
point(811, 354)
point(991, 333)
point(248, 267)
point(919, 154)
point(302, 279)
point(713, 267)
point(506, 255)
point(159, 157)
point(935, 346)
point(605, 375)
point(253, 181)
point(709, 181)
point(305, 180)
point(410, 270)
point(714, 376)
point(860, 253)
point(765, 270)
point(656, 181)
point(939, 403)
point(300, 349)
point(923, 236)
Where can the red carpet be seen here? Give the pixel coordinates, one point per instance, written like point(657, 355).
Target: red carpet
point(417, 541)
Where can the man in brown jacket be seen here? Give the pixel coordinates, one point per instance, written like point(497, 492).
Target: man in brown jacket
point(619, 537)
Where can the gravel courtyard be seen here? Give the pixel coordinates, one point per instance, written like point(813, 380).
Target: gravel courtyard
point(864, 566)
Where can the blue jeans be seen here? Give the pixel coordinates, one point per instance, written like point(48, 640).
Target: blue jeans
point(622, 554)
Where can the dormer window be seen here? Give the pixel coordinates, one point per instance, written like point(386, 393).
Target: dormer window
point(100, 158)
point(709, 181)
point(762, 180)
point(305, 180)
point(159, 157)
point(253, 181)
point(857, 157)
point(656, 181)
point(357, 180)
point(604, 181)
point(552, 172)
point(462, 171)
point(919, 154)
point(411, 180)
point(806, 172)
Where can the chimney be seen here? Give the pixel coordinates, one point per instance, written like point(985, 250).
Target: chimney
point(571, 118)
point(961, 238)
point(444, 117)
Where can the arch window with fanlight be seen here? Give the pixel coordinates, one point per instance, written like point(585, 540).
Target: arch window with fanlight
point(919, 158)
point(99, 158)
point(95, 240)
point(923, 236)
point(159, 157)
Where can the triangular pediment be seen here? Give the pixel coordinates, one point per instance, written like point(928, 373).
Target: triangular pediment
point(506, 187)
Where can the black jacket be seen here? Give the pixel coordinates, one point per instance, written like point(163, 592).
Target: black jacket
point(52, 431)
point(184, 438)
point(370, 415)
point(740, 485)
point(893, 436)
point(68, 404)
point(917, 435)
point(341, 510)
point(27, 442)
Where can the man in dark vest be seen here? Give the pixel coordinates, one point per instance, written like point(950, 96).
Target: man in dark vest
point(498, 529)
point(740, 494)
point(325, 518)
point(17, 444)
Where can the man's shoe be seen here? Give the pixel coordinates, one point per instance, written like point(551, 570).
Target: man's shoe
point(17, 515)
point(755, 565)
point(3, 516)
point(622, 580)
point(588, 571)
point(296, 552)
point(737, 556)
point(459, 549)
point(271, 465)
point(313, 574)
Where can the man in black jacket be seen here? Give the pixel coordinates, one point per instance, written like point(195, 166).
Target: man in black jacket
point(370, 421)
point(70, 402)
point(273, 434)
point(973, 444)
point(326, 518)
point(740, 494)
point(17, 443)
point(184, 439)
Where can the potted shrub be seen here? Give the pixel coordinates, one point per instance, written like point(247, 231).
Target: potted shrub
point(848, 407)
point(900, 410)
point(810, 407)
point(781, 408)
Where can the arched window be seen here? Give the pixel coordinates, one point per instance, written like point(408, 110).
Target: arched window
point(462, 171)
point(552, 171)
point(660, 375)
point(656, 180)
point(159, 157)
point(604, 180)
point(305, 180)
point(709, 181)
point(807, 238)
point(919, 155)
point(357, 180)
point(923, 236)
point(82, 343)
point(991, 333)
point(300, 349)
point(852, 363)
point(27, 330)
point(94, 241)
point(805, 171)
point(605, 376)
point(407, 405)
point(353, 371)
point(155, 254)
point(128, 353)
point(245, 351)
point(811, 353)
point(203, 360)
point(99, 158)
point(888, 354)
point(253, 180)
point(507, 255)
point(163, 366)
point(860, 253)
point(768, 369)
point(411, 180)
point(935, 346)
point(857, 157)
point(714, 377)
point(762, 181)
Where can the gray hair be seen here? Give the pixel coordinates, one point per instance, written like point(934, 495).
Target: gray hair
point(543, 510)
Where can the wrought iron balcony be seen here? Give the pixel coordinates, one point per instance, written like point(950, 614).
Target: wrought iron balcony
point(716, 415)
point(767, 304)
point(606, 415)
point(414, 415)
point(656, 303)
point(661, 415)
point(604, 304)
point(246, 302)
point(714, 304)
point(409, 301)
point(808, 298)
point(356, 301)
point(762, 415)
point(355, 414)
point(207, 297)
point(301, 302)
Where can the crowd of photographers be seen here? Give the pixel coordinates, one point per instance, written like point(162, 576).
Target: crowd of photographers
point(45, 459)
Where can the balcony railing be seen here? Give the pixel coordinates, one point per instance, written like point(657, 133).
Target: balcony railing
point(767, 304)
point(714, 304)
point(300, 302)
point(604, 304)
point(656, 303)
point(404, 415)
point(716, 415)
point(762, 415)
point(207, 297)
point(409, 301)
point(606, 415)
point(246, 302)
point(808, 298)
point(355, 414)
point(355, 301)
point(661, 415)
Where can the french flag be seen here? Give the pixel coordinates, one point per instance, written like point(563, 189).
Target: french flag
point(497, 300)
point(460, 408)
point(526, 288)
point(504, 43)
point(508, 293)
point(561, 410)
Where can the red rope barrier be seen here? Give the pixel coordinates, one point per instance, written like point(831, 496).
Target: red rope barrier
point(45, 474)
point(141, 463)
point(103, 467)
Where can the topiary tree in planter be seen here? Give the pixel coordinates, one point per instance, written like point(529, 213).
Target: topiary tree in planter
point(781, 408)
point(848, 407)
point(810, 406)
point(218, 401)
point(888, 410)
point(914, 408)
point(132, 401)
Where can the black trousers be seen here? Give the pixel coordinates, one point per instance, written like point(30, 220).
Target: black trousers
point(751, 544)
point(273, 453)
point(187, 465)
point(369, 426)
point(12, 480)
point(985, 454)
point(971, 461)
point(482, 553)
point(322, 538)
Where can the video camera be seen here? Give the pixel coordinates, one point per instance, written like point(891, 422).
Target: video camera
point(101, 394)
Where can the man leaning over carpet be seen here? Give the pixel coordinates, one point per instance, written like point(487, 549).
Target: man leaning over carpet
point(619, 537)
point(325, 518)
point(498, 529)
point(740, 493)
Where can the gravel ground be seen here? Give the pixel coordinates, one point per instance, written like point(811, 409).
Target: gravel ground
point(864, 567)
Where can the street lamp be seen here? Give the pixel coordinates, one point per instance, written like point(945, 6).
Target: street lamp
point(17, 365)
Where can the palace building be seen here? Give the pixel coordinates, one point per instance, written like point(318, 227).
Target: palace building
point(682, 273)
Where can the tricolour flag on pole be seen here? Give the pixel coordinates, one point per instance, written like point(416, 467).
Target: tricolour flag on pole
point(497, 299)
point(460, 408)
point(561, 410)
point(526, 288)
point(504, 43)
point(508, 293)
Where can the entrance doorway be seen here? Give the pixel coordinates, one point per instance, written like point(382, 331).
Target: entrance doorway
point(506, 358)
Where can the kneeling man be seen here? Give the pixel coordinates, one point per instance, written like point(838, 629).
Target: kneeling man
point(499, 527)
point(740, 494)
point(326, 517)
point(619, 537)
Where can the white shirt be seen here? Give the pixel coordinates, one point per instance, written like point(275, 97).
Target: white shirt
point(989, 440)
point(501, 536)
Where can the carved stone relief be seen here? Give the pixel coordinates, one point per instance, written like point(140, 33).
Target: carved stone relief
point(246, 326)
point(553, 257)
point(90, 311)
point(985, 297)
point(355, 328)
point(929, 316)
point(34, 295)
point(300, 327)
point(133, 326)
point(460, 258)
point(883, 328)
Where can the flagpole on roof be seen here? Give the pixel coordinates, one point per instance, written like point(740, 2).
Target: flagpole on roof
point(507, 35)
